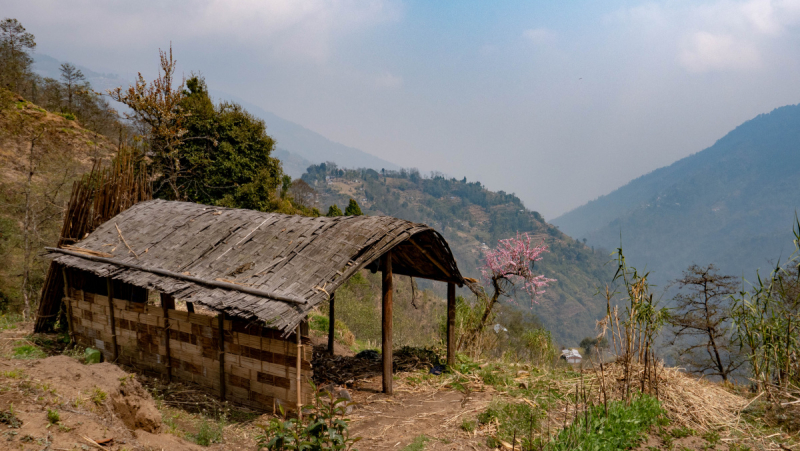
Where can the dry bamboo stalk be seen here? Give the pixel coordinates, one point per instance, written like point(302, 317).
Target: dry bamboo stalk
point(111, 321)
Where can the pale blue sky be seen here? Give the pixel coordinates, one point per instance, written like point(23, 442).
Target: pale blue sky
point(559, 102)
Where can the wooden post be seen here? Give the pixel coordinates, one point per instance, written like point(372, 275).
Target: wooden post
point(331, 323)
point(299, 379)
point(190, 307)
point(167, 304)
point(69, 306)
point(221, 318)
point(110, 289)
point(386, 345)
point(451, 323)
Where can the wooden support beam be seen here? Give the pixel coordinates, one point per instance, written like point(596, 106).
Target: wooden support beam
point(110, 289)
point(451, 323)
point(190, 307)
point(221, 319)
point(331, 323)
point(167, 304)
point(69, 306)
point(299, 374)
point(386, 344)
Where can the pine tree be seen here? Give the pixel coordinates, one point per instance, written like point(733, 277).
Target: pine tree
point(353, 209)
point(334, 211)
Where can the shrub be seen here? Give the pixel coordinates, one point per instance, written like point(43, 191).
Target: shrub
point(208, 432)
point(322, 427)
point(98, 396)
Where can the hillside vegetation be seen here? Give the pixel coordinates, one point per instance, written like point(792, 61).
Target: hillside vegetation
point(472, 219)
point(732, 204)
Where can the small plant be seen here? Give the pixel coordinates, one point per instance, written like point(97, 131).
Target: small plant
point(487, 416)
point(418, 444)
point(98, 396)
point(27, 351)
point(468, 426)
point(711, 437)
point(9, 418)
point(322, 427)
point(681, 432)
point(13, 374)
point(209, 432)
point(52, 416)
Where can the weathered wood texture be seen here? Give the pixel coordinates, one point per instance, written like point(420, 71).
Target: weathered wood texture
point(96, 198)
point(451, 324)
point(259, 365)
point(293, 256)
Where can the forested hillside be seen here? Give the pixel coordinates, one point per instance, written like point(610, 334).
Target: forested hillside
point(472, 219)
point(732, 204)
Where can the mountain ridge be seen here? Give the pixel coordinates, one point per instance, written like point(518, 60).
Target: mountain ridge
point(739, 193)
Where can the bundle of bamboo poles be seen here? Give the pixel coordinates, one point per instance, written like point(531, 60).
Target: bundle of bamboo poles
point(97, 197)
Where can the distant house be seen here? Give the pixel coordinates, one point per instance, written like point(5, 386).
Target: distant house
point(571, 355)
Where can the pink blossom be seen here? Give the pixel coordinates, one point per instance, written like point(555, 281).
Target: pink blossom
point(512, 262)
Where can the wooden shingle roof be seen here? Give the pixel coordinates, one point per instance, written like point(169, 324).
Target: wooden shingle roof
point(253, 265)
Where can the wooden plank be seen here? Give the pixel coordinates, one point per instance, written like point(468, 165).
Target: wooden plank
point(167, 303)
point(111, 318)
point(451, 323)
point(386, 330)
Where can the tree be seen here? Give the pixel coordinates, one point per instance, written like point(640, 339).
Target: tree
point(303, 194)
point(156, 111)
point(71, 77)
point(509, 267)
point(224, 157)
point(353, 209)
point(701, 322)
point(334, 211)
point(15, 61)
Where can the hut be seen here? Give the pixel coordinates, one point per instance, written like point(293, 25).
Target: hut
point(259, 273)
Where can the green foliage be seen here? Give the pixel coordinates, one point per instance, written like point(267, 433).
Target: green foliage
point(323, 427)
point(9, 418)
point(624, 427)
point(319, 323)
point(225, 155)
point(353, 209)
point(767, 318)
point(334, 211)
point(468, 425)
point(27, 351)
point(682, 432)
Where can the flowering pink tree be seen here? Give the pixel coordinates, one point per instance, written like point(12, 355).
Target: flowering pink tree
point(509, 267)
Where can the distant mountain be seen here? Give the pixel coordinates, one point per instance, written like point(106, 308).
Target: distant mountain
point(298, 147)
point(732, 204)
point(308, 145)
point(472, 219)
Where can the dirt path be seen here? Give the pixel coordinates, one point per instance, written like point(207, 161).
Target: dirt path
point(393, 422)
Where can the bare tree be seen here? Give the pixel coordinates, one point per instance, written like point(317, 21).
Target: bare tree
point(303, 193)
point(701, 322)
point(72, 77)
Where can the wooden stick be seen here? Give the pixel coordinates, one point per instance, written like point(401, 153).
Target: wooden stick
point(451, 323)
point(221, 318)
point(331, 323)
point(167, 303)
point(69, 305)
point(110, 286)
point(125, 242)
point(299, 379)
point(386, 344)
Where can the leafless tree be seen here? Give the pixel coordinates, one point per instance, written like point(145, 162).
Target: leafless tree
point(701, 322)
point(72, 78)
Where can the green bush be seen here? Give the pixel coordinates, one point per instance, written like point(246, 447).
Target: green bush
point(52, 416)
point(208, 432)
point(319, 323)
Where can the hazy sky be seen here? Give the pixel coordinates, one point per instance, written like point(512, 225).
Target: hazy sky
point(558, 102)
